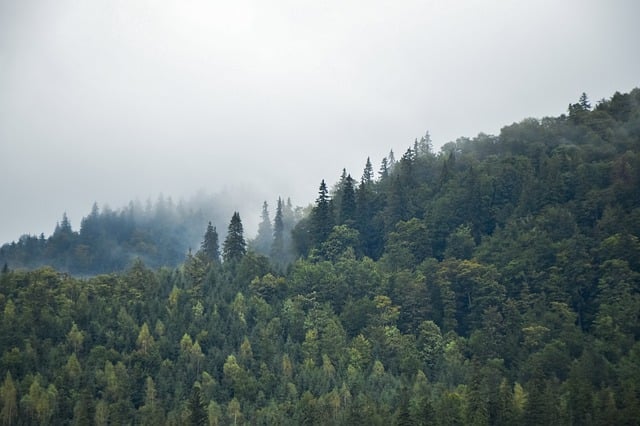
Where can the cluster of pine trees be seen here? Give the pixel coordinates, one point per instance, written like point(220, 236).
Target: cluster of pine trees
point(274, 238)
point(159, 233)
point(496, 282)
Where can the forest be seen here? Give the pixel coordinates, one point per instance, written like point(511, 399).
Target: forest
point(496, 282)
point(160, 233)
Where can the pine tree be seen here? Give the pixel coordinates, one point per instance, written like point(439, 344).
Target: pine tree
point(367, 173)
point(384, 168)
point(264, 239)
point(364, 220)
point(584, 102)
point(348, 202)
point(277, 247)
point(234, 246)
point(321, 219)
point(391, 158)
point(65, 225)
point(425, 145)
point(209, 247)
point(198, 412)
point(8, 397)
point(289, 219)
point(403, 417)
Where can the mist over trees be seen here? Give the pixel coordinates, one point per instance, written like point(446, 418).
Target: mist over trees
point(496, 282)
point(159, 233)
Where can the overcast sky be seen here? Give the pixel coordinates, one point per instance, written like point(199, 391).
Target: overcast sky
point(113, 100)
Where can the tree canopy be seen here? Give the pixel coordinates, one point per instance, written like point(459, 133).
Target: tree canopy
point(496, 282)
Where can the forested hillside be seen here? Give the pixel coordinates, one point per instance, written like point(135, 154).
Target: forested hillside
point(159, 233)
point(495, 282)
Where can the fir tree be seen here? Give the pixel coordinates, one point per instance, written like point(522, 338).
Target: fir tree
point(384, 168)
point(584, 102)
point(277, 247)
point(391, 158)
point(234, 246)
point(210, 247)
point(198, 413)
point(264, 239)
point(321, 219)
point(348, 202)
point(425, 145)
point(367, 173)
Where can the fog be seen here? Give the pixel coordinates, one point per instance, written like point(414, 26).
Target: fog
point(114, 100)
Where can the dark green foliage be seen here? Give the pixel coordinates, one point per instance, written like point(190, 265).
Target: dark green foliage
point(347, 213)
point(109, 240)
point(495, 283)
point(197, 413)
point(321, 216)
point(264, 239)
point(234, 246)
point(282, 252)
point(210, 248)
point(277, 245)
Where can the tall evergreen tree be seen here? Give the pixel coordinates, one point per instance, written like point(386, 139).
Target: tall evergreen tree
point(277, 247)
point(8, 398)
point(384, 168)
point(367, 174)
point(584, 102)
point(391, 159)
point(264, 240)
point(364, 220)
point(321, 219)
point(234, 246)
point(348, 202)
point(289, 219)
point(425, 145)
point(210, 247)
point(198, 412)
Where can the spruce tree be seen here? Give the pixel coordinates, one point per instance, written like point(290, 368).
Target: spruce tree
point(348, 202)
point(391, 158)
point(384, 168)
point(367, 174)
point(321, 219)
point(584, 102)
point(234, 246)
point(210, 248)
point(198, 413)
point(289, 219)
point(264, 240)
point(277, 247)
point(424, 146)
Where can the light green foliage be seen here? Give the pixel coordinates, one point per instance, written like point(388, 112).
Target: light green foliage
point(496, 282)
point(75, 338)
point(341, 241)
point(9, 401)
point(40, 401)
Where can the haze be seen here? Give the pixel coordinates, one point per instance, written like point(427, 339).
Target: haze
point(115, 100)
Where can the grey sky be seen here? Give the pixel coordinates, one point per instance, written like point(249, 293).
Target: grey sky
point(112, 100)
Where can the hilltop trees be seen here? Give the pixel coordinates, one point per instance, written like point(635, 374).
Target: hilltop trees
point(159, 233)
point(497, 282)
point(321, 215)
point(234, 246)
point(264, 239)
point(210, 248)
point(278, 249)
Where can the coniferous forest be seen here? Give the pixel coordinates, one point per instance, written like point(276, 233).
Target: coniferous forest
point(496, 282)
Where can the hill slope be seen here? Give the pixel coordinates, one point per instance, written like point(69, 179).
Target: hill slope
point(497, 282)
